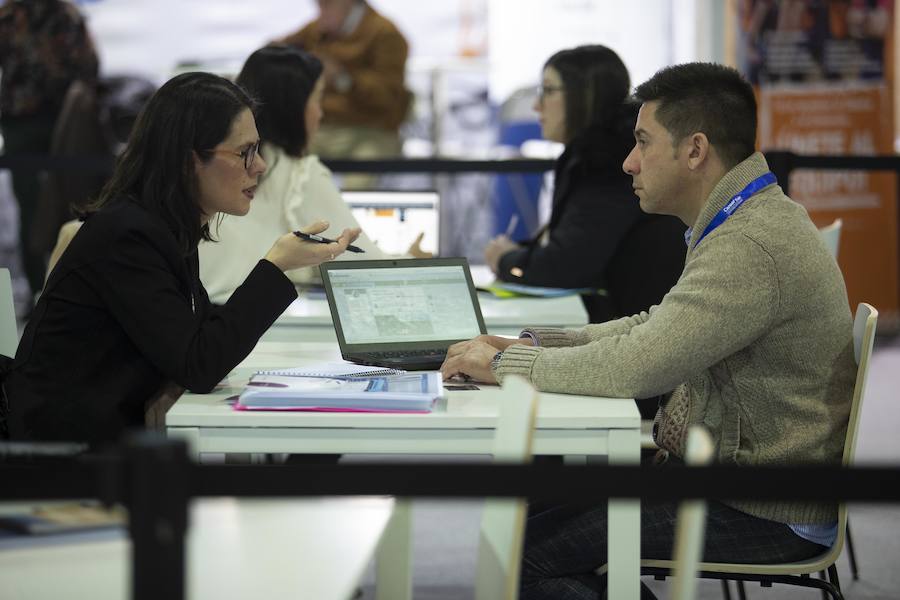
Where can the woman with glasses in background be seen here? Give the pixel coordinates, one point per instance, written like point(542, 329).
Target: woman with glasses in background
point(296, 188)
point(597, 236)
point(123, 315)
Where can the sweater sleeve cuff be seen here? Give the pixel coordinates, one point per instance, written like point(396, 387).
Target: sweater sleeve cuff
point(550, 336)
point(516, 360)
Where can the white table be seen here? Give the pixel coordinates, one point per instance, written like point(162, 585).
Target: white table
point(464, 424)
point(273, 549)
point(308, 317)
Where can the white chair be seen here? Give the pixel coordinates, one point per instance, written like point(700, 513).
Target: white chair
point(797, 573)
point(691, 526)
point(502, 531)
point(831, 235)
point(9, 336)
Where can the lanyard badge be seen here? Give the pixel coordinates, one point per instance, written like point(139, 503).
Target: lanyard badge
point(736, 201)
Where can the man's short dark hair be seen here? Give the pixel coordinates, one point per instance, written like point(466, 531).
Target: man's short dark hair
point(707, 98)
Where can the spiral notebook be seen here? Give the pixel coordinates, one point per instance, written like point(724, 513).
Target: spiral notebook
point(333, 369)
point(406, 393)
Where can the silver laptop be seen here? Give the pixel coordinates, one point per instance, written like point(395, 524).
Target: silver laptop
point(393, 219)
point(401, 313)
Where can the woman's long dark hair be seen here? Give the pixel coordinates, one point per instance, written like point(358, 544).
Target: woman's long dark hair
point(281, 79)
point(189, 115)
point(596, 83)
point(600, 113)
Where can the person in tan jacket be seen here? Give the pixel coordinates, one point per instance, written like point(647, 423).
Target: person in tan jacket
point(365, 98)
point(754, 342)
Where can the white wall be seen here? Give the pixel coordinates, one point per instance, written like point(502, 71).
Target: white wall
point(151, 37)
point(524, 33)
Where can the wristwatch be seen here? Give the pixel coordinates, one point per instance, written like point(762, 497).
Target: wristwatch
point(495, 362)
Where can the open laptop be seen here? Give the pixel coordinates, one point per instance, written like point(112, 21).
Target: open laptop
point(403, 313)
point(393, 219)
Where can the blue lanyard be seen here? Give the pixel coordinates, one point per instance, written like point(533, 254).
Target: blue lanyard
point(736, 201)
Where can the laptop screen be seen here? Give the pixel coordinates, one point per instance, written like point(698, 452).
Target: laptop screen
point(393, 219)
point(402, 301)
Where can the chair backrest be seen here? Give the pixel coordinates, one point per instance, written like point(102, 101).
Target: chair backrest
point(503, 523)
point(863, 340)
point(9, 336)
point(831, 234)
point(691, 526)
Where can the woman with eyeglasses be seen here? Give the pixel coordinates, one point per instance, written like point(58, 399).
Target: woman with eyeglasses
point(288, 84)
point(123, 314)
point(597, 236)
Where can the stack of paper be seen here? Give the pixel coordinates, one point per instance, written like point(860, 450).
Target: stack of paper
point(411, 392)
point(504, 289)
point(333, 369)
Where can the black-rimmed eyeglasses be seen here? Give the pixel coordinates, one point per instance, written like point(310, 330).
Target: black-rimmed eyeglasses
point(248, 154)
point(545, 90)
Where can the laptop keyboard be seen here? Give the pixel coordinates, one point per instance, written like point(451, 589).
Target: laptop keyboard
point(407, 353)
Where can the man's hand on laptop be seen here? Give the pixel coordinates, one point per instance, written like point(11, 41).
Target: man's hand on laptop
point(470, 360)
point(498, 342)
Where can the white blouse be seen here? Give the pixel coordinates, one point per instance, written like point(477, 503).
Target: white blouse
point(294, 192)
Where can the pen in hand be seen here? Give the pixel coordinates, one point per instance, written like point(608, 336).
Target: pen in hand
point(513, 221)
point(312, 237)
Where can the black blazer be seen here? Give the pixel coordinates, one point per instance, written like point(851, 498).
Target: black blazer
point(598, 235)
point(124, 312)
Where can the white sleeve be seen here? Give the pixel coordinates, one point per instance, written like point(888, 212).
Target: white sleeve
point(315, 197)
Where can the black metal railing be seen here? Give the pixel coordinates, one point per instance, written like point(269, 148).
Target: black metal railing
point(152, 476)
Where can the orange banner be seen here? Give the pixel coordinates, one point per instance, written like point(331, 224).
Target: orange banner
point(854, 120)
point(824, 70)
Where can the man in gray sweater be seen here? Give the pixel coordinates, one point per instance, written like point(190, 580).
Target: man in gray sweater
point(754, 341)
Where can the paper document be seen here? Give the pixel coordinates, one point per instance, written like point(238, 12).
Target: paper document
point(413, 392)
point(333, 369)
point(503, 289)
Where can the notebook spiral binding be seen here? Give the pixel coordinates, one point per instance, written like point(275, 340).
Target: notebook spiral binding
point(323, 373)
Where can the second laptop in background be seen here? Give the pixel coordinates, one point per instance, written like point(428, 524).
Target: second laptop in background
point(401, 313)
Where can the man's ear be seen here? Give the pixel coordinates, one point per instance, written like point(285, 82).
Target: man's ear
point(698, 150)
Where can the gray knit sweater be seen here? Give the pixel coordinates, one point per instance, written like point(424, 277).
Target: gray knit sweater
point(754, 342)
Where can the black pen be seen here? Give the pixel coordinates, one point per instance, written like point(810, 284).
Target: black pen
point(311, 237)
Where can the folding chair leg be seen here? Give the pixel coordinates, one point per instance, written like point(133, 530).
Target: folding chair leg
point(851, 554)
point(824, 577)
point(833, 577)
point(726, 589)
point(742, 591)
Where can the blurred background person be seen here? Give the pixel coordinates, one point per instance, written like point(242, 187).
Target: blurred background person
point(365, 96)
point(94, 123)
point(297, 188)
point(597, 236)
point(44, 47)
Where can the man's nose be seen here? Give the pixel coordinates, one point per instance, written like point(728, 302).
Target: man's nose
point(631, 164)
